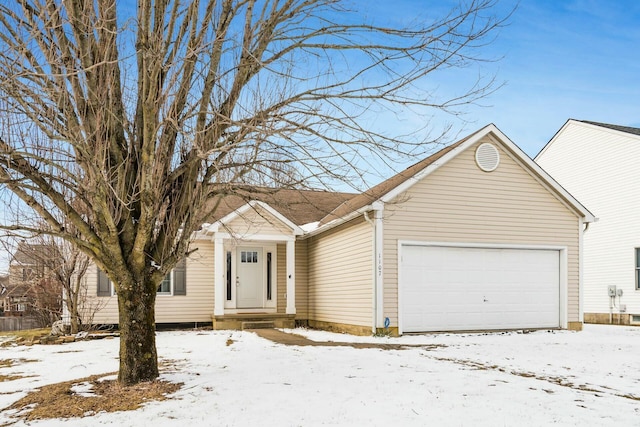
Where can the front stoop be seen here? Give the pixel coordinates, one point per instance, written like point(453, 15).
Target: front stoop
point(263, 324)
point(253, 321)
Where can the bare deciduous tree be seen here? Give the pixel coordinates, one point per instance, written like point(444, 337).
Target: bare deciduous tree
point(140, 117)
point(31, 290)
point(71, 275)
point(66, 267)
point(57, 276)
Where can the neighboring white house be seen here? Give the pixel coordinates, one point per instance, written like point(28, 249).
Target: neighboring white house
point(598, 163)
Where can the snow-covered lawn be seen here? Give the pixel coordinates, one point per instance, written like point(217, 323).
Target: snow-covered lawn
point(499, 379)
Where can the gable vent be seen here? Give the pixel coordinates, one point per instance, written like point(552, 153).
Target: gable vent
point(487, 157)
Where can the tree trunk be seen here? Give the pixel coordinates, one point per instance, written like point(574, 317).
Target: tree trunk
point(138, 356)
point(74, 315)
point(71, 301)
point(74, 326)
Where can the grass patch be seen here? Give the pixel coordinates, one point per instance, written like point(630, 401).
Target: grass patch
point(7, 363)
point(61, 401)
point(12, 338)
point(5, 378)
point(630, 396)
point(26, 334)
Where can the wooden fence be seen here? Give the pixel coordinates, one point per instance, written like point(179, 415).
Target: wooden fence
point(17, 323)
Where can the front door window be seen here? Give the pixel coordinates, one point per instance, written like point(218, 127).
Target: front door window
point(250, 257)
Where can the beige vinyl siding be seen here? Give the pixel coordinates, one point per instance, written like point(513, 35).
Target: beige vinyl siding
point(460, 203)
point(340, 272)
point(257, 221)
point(302, 285)
point(599, 167)
point(195, 306)
point(104, 310)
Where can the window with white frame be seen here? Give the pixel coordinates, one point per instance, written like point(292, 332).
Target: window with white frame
point(174, 283)
point(165, 285)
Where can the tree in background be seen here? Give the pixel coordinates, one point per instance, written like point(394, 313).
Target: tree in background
point(131, 123)
point(71, 276)
point(48, 272)
point(30, 290)
point(66, 267)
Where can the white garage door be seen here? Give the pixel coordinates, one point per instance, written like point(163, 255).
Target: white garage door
point(458, 288)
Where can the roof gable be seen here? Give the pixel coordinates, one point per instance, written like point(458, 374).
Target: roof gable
point(377, 192)
point(263, 210)
point(34, 253)
point(401, 182)
point(626, 131)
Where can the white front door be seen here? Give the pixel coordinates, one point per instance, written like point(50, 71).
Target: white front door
point(250, 277)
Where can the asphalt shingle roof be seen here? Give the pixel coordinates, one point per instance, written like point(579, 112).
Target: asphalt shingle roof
point(308, 206)
point(375, 193)
point(627, 129)
point(299, 206)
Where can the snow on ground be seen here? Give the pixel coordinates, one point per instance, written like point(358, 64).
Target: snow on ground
point(506, 379)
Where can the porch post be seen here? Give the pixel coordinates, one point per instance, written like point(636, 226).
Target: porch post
point(218, 282)
point(291, 279)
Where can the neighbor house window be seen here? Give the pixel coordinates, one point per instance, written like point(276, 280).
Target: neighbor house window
point(26, 274)
point(637, 268)
point(165, 285)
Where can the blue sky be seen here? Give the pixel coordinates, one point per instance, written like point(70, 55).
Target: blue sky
point(558, 59)
point(562, 59)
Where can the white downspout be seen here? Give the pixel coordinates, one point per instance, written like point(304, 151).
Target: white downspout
point(379, 265)
point(378, 294)
point(374, 299)
point(582, 227)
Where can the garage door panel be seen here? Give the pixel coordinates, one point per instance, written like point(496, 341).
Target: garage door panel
point(461, 288)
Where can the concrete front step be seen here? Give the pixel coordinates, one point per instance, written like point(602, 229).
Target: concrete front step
point(253, 321)
point(258, 325)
